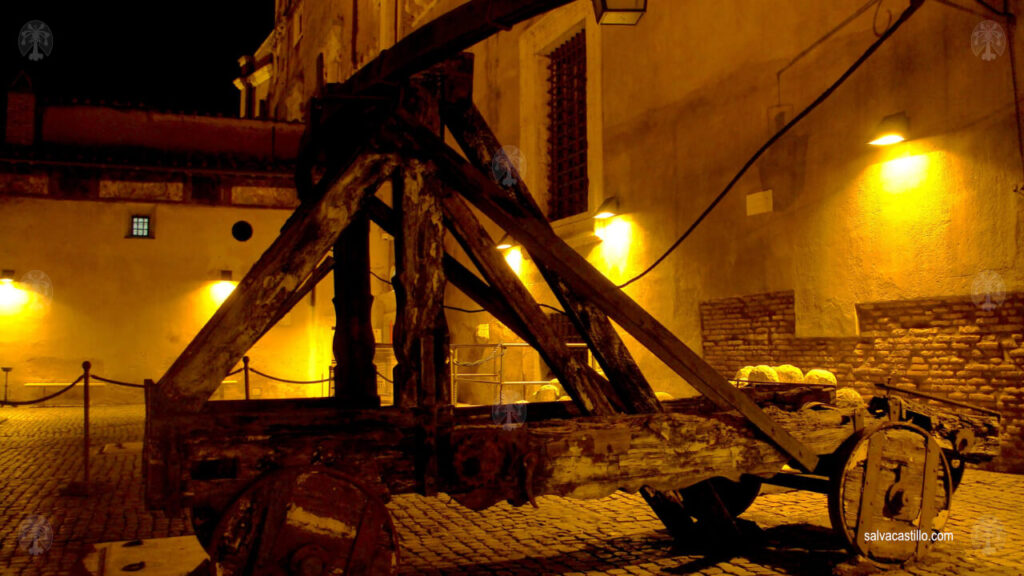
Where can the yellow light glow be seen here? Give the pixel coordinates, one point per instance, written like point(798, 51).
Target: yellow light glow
point(904, 174)
point(219, 291)
point(887, 140)
point(604, 215)
point(12, 298)
point(514, 257)
point(612, 255)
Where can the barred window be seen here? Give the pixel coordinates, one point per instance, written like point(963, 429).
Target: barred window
point(567, 128)
point(140, 227)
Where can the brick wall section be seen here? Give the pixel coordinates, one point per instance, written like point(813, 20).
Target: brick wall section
point(947, 346)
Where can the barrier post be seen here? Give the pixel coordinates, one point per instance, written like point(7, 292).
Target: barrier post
point(86, 366)
point(245, 370)
point(7, 374)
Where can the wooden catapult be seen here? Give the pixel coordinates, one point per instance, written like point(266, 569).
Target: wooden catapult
point(300, 486)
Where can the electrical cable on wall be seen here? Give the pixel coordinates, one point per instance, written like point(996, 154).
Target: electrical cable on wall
point(904, 16)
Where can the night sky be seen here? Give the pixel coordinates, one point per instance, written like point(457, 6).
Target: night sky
point(179, 56)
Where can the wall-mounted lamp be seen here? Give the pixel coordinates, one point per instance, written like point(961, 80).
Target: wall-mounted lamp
point(893, 129)
point(506, 242)
point(620, 12)
point(608, 209)
point(7, 276)
point(222, 286)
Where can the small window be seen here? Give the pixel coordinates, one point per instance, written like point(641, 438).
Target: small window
point(567, 128)
point(141, 227)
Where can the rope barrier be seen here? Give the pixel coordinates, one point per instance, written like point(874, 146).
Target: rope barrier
point(386, 379)
point(117, 382)
point(44, 398)
point(268, 376)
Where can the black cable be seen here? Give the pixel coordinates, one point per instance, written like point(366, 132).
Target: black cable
point(374, 274)
point(466, 310)
point(914, 5)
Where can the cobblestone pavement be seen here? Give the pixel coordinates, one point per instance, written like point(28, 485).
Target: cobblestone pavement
point(40, 451)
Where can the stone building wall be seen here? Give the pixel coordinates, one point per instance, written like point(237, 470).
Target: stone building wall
point(950, 346)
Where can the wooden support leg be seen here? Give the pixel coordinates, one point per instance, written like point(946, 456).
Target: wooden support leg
point(481, 145)
point(421, 330)
point(355, 379)
point(593, 396)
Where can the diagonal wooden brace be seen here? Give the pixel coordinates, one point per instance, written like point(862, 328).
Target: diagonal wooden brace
point(481, 145)
point(266, 289)
point(589, 283)
point(593, 396)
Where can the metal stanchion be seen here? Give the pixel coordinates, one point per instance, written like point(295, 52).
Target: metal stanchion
point(7, 375)
point(245, 370)
point(83, 488)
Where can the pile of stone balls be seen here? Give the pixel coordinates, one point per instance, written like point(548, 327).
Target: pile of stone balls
point(789, 374)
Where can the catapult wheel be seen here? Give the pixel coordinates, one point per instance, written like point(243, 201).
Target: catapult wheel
point(890, 493)
point(305, 522)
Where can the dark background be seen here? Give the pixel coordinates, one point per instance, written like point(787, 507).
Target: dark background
point(173, 56)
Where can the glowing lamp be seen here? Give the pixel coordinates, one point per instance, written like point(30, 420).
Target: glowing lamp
point(619, 12)
point(7, 276)
point(893, 129)
point(608, 209)
point(506, 242)
point(221, 289)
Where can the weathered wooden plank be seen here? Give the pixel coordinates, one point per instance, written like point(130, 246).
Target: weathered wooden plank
point(419, 291)
point(322, 270)
point(592, 396)
point(589, 283)
point(591, 457)
point(355, 378)
point(481, 146)
point(444, 37)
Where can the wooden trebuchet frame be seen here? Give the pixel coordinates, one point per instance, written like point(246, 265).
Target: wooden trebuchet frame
point(579, 275)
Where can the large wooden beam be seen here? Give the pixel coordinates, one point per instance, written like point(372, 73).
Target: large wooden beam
point(449, 34)
point(421, 332)
point(481, 146)
point(593, 457)
point(266, 289)
point(355, 378)
point(589, 283)
point(592, 395)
